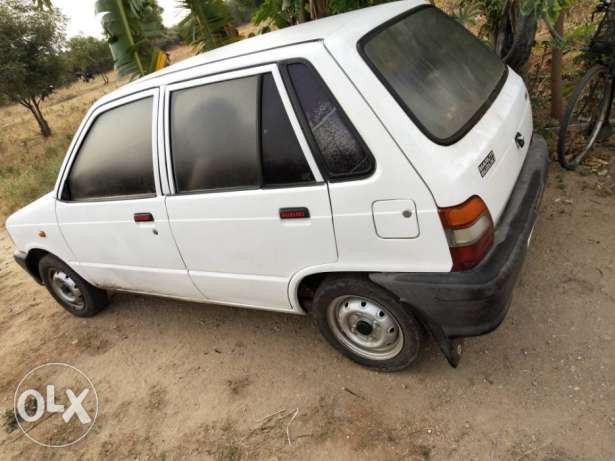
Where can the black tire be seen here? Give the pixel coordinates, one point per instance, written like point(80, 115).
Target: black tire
point(332, 299)
point(570, 150)
point(65, 284)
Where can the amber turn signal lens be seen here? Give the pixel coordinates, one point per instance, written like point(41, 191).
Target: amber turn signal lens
point(470, 232)
point(464, 214)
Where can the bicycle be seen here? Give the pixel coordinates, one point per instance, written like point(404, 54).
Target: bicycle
point(587, 116)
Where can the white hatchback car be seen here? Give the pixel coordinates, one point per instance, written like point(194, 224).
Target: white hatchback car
point(376, 169)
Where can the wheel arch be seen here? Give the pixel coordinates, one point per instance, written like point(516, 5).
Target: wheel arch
point(303, 286)
point(33, 259)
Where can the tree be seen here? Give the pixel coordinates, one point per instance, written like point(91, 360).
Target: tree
point(30, 46)
point(131, 26)
point(279, 13)
point(207, 25)
point(89, 54)
point(284, 13)
point(242, 10)
point(511, 25)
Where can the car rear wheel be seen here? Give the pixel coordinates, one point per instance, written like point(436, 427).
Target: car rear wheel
point(70, 290)
point(366, 323)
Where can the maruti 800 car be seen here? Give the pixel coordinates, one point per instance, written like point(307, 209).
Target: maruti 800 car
point(376, 170)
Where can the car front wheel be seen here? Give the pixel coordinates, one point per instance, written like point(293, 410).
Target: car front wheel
point(70, 290)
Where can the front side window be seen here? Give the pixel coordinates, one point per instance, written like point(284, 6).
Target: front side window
point(440, 73)
point(340, 148)
point(115, 158)
point(234, 134)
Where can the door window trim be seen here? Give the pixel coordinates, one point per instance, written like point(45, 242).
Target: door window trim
point(227, 76)
point(305, 126)
point(85, 129)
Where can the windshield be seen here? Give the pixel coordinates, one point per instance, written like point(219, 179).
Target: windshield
point(441, 74)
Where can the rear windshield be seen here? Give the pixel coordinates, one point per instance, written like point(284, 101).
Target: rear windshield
point(441, 74)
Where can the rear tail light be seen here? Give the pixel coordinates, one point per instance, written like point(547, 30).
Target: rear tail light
point(470, 232)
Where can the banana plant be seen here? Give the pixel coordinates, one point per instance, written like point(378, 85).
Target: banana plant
point(207, 25)
point(131, 26)
point(279, 14)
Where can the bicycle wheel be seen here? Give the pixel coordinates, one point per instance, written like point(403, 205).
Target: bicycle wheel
point(584, 116)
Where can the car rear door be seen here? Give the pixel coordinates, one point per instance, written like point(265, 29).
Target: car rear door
point(248, 206)
point(110, 208)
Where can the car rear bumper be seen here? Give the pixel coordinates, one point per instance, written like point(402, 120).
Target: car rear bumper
point(475, 302)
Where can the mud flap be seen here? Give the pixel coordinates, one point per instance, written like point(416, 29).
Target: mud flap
point(452, 350)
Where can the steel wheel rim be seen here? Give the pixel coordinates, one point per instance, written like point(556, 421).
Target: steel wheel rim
point(365, 327)
point(66, 289)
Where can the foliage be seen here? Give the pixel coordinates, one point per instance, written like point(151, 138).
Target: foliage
point(242, 10)
point(511, 25)
point(467, 12)
point(131, 26)
point(208, 24)
point(30, 45)
point(493, 10)
point(172, 37)
point(342, 6)
point(284, 13)
point(550, 9)
point(88, 54)
point(279, 13)
point(42, 4)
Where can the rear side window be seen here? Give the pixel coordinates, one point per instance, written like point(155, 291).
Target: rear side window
point(441, 75)
point(283, 160)
point(234, 134)
point(341, 150)
point(214, 135)
point(115, 159)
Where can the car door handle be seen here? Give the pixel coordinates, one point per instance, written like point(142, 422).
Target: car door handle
point(143, 217)
point(294, 213)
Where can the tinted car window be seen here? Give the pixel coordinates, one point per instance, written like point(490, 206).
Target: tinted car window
point(439, 71)
point(339, 147)
point(214, 135)
point(115, 159)
point(283, 159)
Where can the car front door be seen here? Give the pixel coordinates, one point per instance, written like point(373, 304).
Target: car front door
point(248, 206)
point(110, 208)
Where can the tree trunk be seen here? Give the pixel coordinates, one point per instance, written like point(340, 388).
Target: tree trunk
point(514, 35)
point(32, 105)
point(300, 11)
point(557, 102)
point(318, 9)
point(42, 123)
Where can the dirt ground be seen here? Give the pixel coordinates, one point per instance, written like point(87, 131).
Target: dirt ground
point(179, 380)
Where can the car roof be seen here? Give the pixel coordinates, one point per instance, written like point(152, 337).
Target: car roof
point(339, 28)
